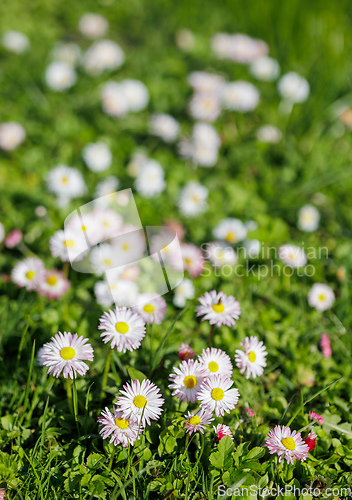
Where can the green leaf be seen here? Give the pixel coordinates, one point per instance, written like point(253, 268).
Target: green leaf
point(136, 374)
point(94, 460)
point(222, 458)
point(256, 452)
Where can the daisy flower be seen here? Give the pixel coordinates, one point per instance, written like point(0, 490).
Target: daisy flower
point(222, 430)
point(136, 94)
point(13, 238)
point(28, 273)
point(205, 134)
point(141, 400)
point(53, 284)
point(193, 199)
point(316, 416)
point(102, 56)
point(97, 156)
point(308, 218)
point(102, 258)
point(240, 96)
point(325, 345)
point(165, 127)
point(269, 134)
point(185, 352)
point(287, 444)
point(293, 87)
point(230, 230)
point(151, 309)
point(239, 47)
point(107, 187)
point(192, 260)
point(60, 76)
point(216, 362)
point(206, 83)
point(219, 308)
point(265, 68)
point(67, 52)
point(114, 101)
point(85, 225)
point(220, 254)
point(321, 297)
point(68, 245)
point(11, 135)
point(150, 180)
point(205, 107)
point(204, 155)
point(93, 25)
point(66, 182)
point(66, 353)
point(252, 359)
point(185, 290)
point(199, 421)
point(15, 41)
point(121, 430)
point(123, 327)
point(217, 395)
point(186, 380)
point(292, 256)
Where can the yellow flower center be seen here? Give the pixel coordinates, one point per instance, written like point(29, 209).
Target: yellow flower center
point(292, 256)
point(107, 262)
point(190, 381)
point(213, 366)
point(288, 443)
point(188, 261)
point(140, 401)
point(67, 353)
point(148, 308)
point(194, 420)
point(84, 228)
point(252, 357)
point(64, 180)
point(121, 423)
point(30, 275)
point(218, 308)
point(321, 296)
point(52, 280)
point(195, 198)
point(125, 246)
point(122, 327)
point(69, 243)
point(217, 394)
point(231, 237)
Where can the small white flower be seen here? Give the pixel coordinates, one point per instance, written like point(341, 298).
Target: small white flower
point(187, 380)
point(124, 328)
point(185, 40)
point(66, 353)
point(60, 75)
point(93, 25)
point(122, 430)
point(287, 444)
point(136, 94)
point(205, 107)
point(221, 254)
point(292, 255)
point(183, 291)
point(66, 182)
point(164, 126)
point(151, 308)
point(216, 362)
point(293, 87)
point(28, 273)
point(67, 52)
point(114, 101)
point(204, 155)
point(11, 135)
point(193, 199)
point(141, 400)
point(102, 258)
point(240, 48)
point(150, 180)
point(252, 359)
point(230, 230)
point(240, 96)
point(308, 218)
point(104, 55)
point(217, 395)
point(206, 83)
point(86, 226)
point(198, 421)
point(265, 68)
point(321, 297)
point(15, 41)
point(269, 134)
point(53, 285)
point(219, 308)
point(68, 245)
point(106, 187)
point(97, 156)
point(206, 135)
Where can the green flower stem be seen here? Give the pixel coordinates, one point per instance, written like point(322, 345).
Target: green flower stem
point(106, 374)
point(211, 333)
point(75, 404)
point(69, 394)
point(112, 458)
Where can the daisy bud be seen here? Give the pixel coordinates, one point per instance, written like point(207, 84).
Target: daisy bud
point(311, 441)
point(185, 352)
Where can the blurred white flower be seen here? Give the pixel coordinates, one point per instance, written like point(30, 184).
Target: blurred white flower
point(293, 87)
point(66, 183)
point(202, 149)
point(321, 297)
point(114, 100)
point(15, 41)
point(11, 135)
point(206, 83)
point(93, 25)
point(150, 180)
point(265, 68)
point(60, 76)
point(193, 199)
point(106, 187)
point(240, 96)
point(183, 291)
point(103, 257)
point(136, 94)
point(230, 230)
point(252, 248)
point(67, 52)
point(205, 107)
point(103, 55)
point(205, 134)
point(269, 133)
point(164, 126)
point(308, 218)
point(239, 47)
point(292, 255)
point(97, 156)
point(221, 254)
point(185, 40)
point(137, 161)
